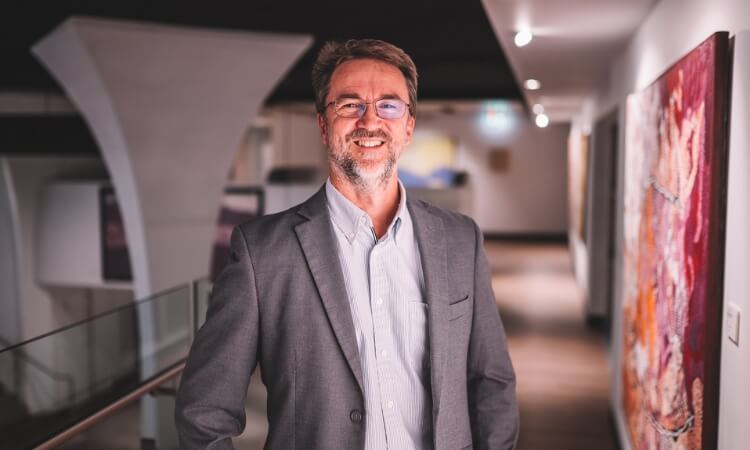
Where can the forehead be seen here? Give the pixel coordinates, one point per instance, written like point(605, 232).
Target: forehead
point(368, 79)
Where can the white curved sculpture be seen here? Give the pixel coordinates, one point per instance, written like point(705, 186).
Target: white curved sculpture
point(167, 106)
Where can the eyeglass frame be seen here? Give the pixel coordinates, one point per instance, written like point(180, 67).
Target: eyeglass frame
point(367, 105)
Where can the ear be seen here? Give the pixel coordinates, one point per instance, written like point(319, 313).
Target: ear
point(410, 122)
point(323, 129)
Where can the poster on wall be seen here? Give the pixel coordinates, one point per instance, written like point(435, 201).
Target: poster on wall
point(239, 204)
point(115, 256)
point(675, 157)
point(578, 162)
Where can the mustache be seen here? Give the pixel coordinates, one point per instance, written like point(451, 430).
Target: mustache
point(362, 133)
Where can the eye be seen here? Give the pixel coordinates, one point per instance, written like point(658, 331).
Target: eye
point(388, 104)
point(349, 104)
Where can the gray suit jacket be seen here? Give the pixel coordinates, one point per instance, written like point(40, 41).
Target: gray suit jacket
point(281, 302)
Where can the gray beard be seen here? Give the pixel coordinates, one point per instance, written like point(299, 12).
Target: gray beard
point(360, 180)
point(344, 163)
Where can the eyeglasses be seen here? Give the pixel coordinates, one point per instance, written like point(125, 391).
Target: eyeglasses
point(385, 108)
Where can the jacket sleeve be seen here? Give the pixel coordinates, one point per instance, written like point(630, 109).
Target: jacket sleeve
point(493, 408)
point(210, 407)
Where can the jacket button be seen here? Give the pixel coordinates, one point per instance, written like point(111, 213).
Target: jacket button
point(356, 416)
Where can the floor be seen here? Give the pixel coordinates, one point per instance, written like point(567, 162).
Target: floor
point(561, 364)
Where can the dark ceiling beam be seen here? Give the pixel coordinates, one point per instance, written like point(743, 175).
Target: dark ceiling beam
point(52, 134)
point(451, 42)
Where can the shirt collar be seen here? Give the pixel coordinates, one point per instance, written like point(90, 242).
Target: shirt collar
point(350, 219)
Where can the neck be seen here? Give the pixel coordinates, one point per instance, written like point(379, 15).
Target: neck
point(380, 201)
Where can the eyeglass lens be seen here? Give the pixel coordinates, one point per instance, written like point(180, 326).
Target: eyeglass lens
point(387, 108)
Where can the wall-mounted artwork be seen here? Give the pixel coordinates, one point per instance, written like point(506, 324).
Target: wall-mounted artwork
point(499, 159)
point(673, 252)
point(578, 161)
point(115, 256)
point(428, 162)
point(239, 204)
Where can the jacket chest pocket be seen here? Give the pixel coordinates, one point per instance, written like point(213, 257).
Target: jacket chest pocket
point(459, 308)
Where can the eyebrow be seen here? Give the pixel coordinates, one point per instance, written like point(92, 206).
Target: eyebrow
point(348, 95)
point(358, 97)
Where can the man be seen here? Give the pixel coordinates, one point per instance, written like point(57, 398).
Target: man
point(371, 315)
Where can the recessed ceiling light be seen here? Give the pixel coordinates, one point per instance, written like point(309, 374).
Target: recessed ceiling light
point(538, 108)
point(532, 84)
point(522, 38)
point(541, 120)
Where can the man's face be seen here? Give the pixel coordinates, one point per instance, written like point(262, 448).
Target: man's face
point(364, 150)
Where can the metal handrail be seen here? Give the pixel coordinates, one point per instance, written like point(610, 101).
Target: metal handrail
point(149, 386)
point(112, 408)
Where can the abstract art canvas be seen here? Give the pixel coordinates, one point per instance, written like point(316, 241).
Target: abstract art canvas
point(673, 252)
point(429, 163)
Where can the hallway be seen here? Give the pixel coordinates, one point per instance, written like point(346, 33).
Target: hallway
point(561, 364)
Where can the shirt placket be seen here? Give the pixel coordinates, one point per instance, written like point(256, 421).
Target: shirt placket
point(379, 289)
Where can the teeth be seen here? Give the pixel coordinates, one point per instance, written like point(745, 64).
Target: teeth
point(369, 143)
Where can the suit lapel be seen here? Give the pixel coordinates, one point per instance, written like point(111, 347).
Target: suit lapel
point(318, 244)
point(430, 233)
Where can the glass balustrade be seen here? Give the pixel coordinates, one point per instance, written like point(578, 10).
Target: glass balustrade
point(52, 382)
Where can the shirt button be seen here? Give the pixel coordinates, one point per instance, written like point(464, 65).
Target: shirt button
point(390, 404)
point(379, 301)
point(355, 416)
point(383, 353)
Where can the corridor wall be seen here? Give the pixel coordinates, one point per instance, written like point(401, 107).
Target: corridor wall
point(530, 196)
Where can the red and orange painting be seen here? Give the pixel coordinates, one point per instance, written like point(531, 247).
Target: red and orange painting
point(673, 252)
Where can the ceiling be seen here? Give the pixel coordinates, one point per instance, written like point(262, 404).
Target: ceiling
point(452, 42)
point(574, 45)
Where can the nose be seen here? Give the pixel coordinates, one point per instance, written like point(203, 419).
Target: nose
point(369, 119)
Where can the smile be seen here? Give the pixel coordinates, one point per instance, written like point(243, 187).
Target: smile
point(369, 143)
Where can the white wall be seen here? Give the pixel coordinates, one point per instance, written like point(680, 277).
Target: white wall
point(672, 29)
point(531, 197)
point(296, 139)
point(73, 210)
point(735, 359)
point(28, 177)
point(578, 248)
point(295, 142)
point(592, 259)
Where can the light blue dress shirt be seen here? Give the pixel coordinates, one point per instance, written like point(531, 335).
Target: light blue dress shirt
point(385, 285)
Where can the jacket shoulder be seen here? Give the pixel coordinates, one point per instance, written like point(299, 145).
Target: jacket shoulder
point(272, 232)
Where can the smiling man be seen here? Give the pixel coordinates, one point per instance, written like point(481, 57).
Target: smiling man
point(371, 315)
